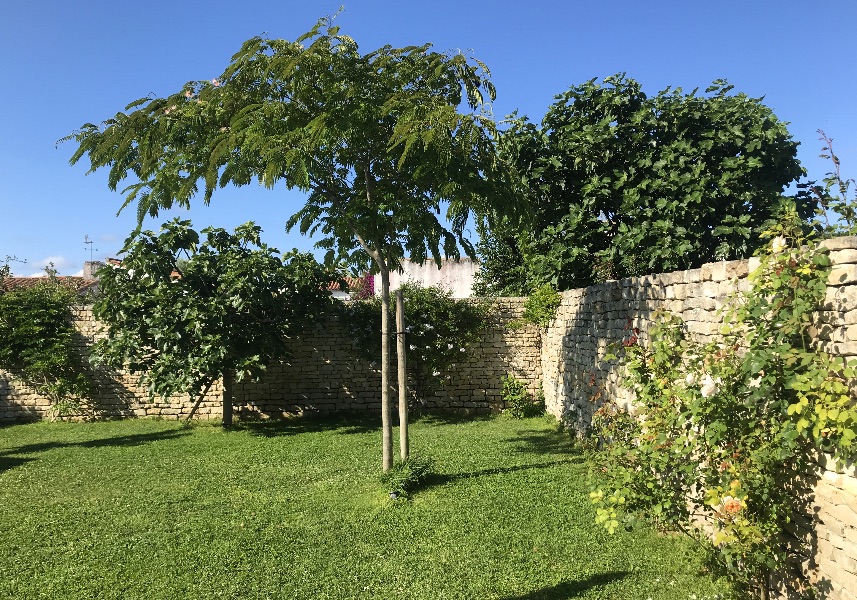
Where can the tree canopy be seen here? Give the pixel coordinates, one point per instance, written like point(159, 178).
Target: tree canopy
point(383, 142)
point(185, 311)
point(624, 184)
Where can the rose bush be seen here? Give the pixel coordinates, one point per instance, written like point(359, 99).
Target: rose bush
point(725, 436)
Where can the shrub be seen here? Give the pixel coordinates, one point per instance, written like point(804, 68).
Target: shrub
point(405, 477)
point(440, 330)
point(37, 341)
point(726, 434)
point(518, 400)
point(541, 306)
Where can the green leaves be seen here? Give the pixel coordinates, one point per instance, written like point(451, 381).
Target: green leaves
point(185, 308)
point(440, 332)
point(356, 130)
point(727, 434)
point(646, 184)
point(38, 341)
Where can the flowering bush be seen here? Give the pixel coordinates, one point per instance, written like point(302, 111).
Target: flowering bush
point(725, 436)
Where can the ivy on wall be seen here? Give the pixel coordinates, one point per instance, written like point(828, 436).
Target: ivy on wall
point(37, 341)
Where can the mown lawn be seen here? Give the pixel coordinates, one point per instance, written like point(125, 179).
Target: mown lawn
point(146, 509)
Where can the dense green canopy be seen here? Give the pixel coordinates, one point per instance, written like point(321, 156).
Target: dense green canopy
point(185, 311)
point(624, 184)
point(383, 142)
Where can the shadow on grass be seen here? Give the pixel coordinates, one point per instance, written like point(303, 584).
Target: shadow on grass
point(545, 442)
point(438, 479)
point(340, 423)
point(571, 589)
point(8, 461)
point(447, 417)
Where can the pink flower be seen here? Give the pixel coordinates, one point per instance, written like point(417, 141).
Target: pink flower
point(732, 505)
point(188, 94)
point(215, 82)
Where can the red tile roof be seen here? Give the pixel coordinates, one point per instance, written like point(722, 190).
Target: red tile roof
point(78, 284)
point(354, 283)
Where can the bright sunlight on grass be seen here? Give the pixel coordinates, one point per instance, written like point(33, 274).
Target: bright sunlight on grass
point(146, 509)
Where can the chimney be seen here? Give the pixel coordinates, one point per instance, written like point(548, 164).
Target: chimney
point(89, 269)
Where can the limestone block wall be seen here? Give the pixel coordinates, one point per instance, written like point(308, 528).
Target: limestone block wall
point(323, 374)
point(577, 378)
point(115, 394)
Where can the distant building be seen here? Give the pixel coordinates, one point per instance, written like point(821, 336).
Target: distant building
point(457, 276)
point(79, 284)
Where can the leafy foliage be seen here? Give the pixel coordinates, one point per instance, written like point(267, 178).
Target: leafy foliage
point(38, 340)
point(541, 306)
point(375, 138)
point(381, 141)
point(519, 401)
point(624, 184)
point(440, 330)
point(407, 476)
point(726, 435)
point(229, 309)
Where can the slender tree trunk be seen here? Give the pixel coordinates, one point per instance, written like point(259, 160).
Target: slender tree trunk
point(199, 401)
point(764, 592)
point(227, 397)
point(386, 424)
point(403, 378)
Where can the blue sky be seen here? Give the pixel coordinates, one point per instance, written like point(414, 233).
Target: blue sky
point(68, 63)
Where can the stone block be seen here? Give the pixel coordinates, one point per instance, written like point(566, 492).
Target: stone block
point(714, 272)
point(692, 276)
point(840, 243)
point(843, 257)
point(842, 275)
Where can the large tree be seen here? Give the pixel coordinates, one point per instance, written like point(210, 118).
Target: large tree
point(185, 312)
point(384, 142)
point(624, 184)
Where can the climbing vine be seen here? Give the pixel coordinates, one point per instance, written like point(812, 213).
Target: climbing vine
point(37, 341)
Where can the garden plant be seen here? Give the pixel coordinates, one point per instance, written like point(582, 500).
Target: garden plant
point(185, 310)
point(38, 341)
point(726, 437)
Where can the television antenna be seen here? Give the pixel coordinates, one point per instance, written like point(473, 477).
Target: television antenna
point(89, 243)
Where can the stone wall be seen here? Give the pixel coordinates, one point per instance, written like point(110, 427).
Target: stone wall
point(577, 377)
point(115, 394)
point(323, 374)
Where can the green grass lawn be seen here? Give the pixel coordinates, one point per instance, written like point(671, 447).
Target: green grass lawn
point(146, 509)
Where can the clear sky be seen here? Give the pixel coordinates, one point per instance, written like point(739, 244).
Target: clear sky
point(68, 63)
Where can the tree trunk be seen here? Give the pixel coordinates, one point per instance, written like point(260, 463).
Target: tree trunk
point(227, 398)
point(199, 401)
point(386, 425)
point(404, 450)
point(764, 591)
